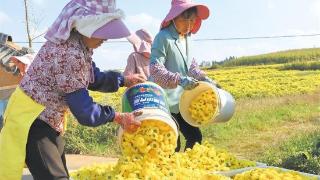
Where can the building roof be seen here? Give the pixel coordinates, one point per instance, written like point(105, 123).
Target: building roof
point(9, 48)
point(4, 38)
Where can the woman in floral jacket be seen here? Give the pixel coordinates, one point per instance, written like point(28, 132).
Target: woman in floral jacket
point(58, 80)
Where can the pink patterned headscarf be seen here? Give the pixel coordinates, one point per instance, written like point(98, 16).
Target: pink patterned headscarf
point(88, 16)
point(141, 41)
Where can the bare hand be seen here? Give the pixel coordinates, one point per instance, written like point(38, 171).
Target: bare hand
point(127, 121)
point(134, 79)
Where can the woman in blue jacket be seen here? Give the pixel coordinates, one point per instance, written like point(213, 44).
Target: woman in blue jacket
point(171, 64)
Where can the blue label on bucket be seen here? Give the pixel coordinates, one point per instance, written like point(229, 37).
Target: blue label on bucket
point(146, 96)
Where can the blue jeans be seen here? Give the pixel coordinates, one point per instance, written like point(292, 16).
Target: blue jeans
point(3, 105)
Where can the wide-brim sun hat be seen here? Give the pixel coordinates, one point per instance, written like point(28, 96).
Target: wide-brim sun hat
point(141, 41)
point(179, 6)
point(91, 18)
point(115, 29)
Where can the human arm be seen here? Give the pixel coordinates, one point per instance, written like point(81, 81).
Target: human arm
point(89, 113)
point(160, 74)
point(197, 73)
point(108, 81)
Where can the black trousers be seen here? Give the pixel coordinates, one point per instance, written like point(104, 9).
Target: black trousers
point(45, 156)
point(192, 134)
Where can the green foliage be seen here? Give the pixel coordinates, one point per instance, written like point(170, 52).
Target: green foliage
point(300, 153)
point(302, 66)
point(282, 57)
point(100, 140)
point(214, 66)
point(88, 140)
point(263, 119)
point(303, 162)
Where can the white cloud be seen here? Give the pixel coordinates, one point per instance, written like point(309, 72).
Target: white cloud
point(301, 31)
point(315, 8)
point(38, 2)
point(145, 21)
point(112, 56)
point(271, 4)
point(4, 18)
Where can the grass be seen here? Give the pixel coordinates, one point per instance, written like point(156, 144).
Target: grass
point(301, 153)
point(302, 66)
point(297, 55)
point(258, 124)
point(91, 141)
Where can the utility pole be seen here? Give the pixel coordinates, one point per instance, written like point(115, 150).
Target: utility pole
point(27, 23)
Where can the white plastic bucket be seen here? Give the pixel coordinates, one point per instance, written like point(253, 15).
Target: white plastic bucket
point(144, 96)
point(149, 98)
point(225, 106)
point(155, 115)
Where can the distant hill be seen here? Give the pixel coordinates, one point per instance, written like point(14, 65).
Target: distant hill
point(281, 57)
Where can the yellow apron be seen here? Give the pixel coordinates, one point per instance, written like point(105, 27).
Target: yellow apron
point(20, 113)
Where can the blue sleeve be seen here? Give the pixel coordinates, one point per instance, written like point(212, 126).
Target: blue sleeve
point(109, 81)
point(86, 111)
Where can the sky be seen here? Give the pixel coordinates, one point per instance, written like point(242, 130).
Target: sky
point(228, 19)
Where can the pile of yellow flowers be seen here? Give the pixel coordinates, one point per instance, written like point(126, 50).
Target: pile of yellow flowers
point(195, 163)
point(109, 172)
point(148, 153)
point(153, 138)
point(207, 157)
point(94, 172)
point(203, 107)
point(271, 173)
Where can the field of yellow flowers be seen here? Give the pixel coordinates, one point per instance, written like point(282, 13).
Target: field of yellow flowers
point(265, 81)
point(249, 82)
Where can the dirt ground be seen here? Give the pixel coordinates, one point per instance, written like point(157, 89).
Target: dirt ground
point(74, 162)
